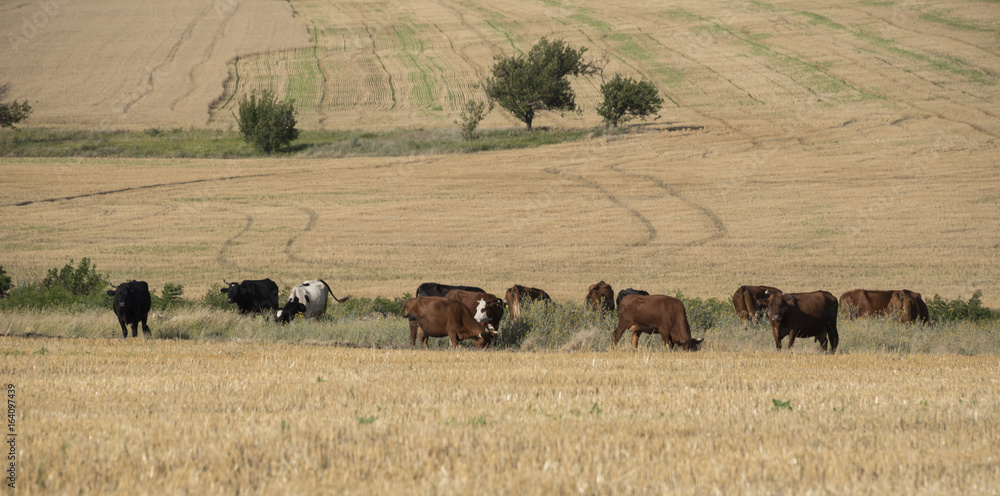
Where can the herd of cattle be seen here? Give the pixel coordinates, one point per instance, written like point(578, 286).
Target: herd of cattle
point(467, 312)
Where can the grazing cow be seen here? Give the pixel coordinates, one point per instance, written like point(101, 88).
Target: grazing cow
point(600, 297)
point(253, 296)
point(750, 301)
point(437, 317)
point(131, 306)
point(435, 289)
point(804, 315)
point(625, 292)
point(516, 293)
point(870, 302)
point(655, 314)
point(309, 299)
point(909, 306)
point(472, 300)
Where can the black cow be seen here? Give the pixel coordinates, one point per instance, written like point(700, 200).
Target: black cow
point(131, 305)
point(625, 292)
point(253, 296)
point(435, 289)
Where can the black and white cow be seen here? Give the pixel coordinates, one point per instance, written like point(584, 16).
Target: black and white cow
point(131, 305)
point(309, 299)
point(253, 296)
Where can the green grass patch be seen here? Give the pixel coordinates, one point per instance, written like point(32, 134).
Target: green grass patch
point(956, 23)
point(820, 20)
point(949, 64)
point(205, 143)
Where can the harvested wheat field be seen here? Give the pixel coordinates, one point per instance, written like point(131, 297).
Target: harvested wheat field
point(852, 144)
point(107, 416)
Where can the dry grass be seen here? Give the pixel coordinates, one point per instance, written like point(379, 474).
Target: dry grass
point(276, 418)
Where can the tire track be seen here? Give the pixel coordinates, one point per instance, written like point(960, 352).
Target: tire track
point(310, 225)
point(720, 227)
point(650, 228)
point(135, 188)
point(223, 255)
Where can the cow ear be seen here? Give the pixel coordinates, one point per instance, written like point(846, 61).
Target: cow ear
point(111, 292)
point(224, 290)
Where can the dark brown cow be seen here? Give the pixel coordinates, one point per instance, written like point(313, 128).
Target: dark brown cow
point(516, 293)
point(750, 300)
point(472, 299)
point(600, 297)
point(437, 317)
point(804, 315)
point(908, 306)
point(655, 314)
point(870, 302)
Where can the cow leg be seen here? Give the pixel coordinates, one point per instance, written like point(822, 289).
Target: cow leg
point(124, 328)
point(413, 332)
point(635, 339)
point(834, 337)
point(777, 338)
point(822, 341)
point(618, 334)
point(145, 329)
point(135, 329)
point(791, 338)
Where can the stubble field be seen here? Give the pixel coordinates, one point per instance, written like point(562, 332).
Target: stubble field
point(808, 147)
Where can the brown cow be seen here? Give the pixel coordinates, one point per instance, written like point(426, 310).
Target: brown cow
point(437, 317)
point(516, 293)
point(804, 315)
point(652, 314)
point(908, 306)
point(870, 302)
point(600, 297)
point(472, 300)
point(750, 300)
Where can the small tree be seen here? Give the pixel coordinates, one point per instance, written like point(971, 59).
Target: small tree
point(473, 113)
point(266, 123)
point(537, 81)
point(12, 113)
point(81, 281)
point(625, 98)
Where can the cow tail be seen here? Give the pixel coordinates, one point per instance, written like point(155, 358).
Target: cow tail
point(328, 290)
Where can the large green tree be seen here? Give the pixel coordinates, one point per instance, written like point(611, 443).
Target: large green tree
point(537, 81)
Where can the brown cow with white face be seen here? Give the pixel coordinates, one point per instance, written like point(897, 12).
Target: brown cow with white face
point(473, 299)
point(750, 300)
point(655, 314)
point(516, 293)
point(908, 306)
point(437, 317)
point(804, 315)
point(600, 297)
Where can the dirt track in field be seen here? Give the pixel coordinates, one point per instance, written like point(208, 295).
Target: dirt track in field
point(848, 145)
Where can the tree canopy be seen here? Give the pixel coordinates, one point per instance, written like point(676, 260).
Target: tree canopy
point(537, 81)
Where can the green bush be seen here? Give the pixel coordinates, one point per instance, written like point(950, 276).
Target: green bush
point(473, 113)
point(5, 283)
point(625, 98)
point(267, 124)
point(12, 113)
point(78, 286)
point(942, 310)
point(169, 297)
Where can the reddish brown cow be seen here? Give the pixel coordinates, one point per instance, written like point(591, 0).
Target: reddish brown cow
point(600, 297)
point(472, 300)
point(909, 306)
point(870, 303)
point(516, 293)
point(652, 314)
point(750, 300)
point(804, 315)
point(437, 317)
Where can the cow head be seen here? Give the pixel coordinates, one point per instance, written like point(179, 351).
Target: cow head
point(777, 305)
point(232, 290)
point(903, 305)
point(121, 294)
point(692, 344)
point(292, 308)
